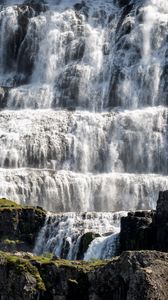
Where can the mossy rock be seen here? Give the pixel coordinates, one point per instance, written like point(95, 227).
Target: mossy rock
point(21, 223)
point(5, 203)
point(45, 277)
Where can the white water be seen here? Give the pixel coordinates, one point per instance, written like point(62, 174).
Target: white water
point(84, 97)
point(85, 142)
point(103, 247)
point(62, 233)
point(69, 191)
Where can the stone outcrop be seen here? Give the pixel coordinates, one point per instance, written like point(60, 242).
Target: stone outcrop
point(146, 229)
point(134, 275)
point(19, 226)
point(162, 221)
point(138, 231)
point(85, 241)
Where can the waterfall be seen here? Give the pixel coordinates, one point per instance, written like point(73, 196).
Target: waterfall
point(62, 234)
point(83, 108)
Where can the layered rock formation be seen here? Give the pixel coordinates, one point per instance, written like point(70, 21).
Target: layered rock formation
point(134, 275)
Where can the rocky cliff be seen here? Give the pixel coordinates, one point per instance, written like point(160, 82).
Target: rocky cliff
point(146, 229)
point(19, 226)
point(133, 275)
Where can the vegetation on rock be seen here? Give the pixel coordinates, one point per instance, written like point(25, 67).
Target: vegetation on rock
point(19, 225)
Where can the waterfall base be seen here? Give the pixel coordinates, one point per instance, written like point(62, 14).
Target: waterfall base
point(80, 235)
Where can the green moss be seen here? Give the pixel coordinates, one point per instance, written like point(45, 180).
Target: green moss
point(8, 203)
point(41, 259)
point(5, 203)
point(11, 242)
point(64, 263)
point(81, 265)
point(22, 265)
point(48, 255)
point(36, 266)
point(43, 269)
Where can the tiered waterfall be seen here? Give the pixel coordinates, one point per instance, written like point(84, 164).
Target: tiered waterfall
point(83, 97)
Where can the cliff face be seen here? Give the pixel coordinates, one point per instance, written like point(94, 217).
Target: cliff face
point(138, 231)
point(162, 221)
point(19, 226)
point(146, 229)
point(134, 275)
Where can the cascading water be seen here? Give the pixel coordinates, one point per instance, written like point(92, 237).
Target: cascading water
point(62, 234)
point(83, 96)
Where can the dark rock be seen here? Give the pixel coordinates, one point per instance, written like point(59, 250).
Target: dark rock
point(146, 229)
point(19, 226)
point(3, 96)
point(162, 221)
point(123, 2)
point(114, 98)
point(134, 275)
point(65, 248)
point(20, 48)
point(79, 6)
point(27, 45)
point(163, 88)
point(15, 38)
point(85, 241)
point(38, 5)
point(137, 231)
point(68, 85)
point(126, 11)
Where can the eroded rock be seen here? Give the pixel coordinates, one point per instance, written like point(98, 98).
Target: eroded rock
point(133, 275)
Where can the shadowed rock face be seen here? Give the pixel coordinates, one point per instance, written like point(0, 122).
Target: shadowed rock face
point(162, 221)
point(134, 275)
point(3, 96)
point(123, 2)
point(19, 226)
point(146, 229)
point(138, 231)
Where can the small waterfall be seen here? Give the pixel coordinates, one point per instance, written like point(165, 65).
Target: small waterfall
point(62, 234)
point(103, 247)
